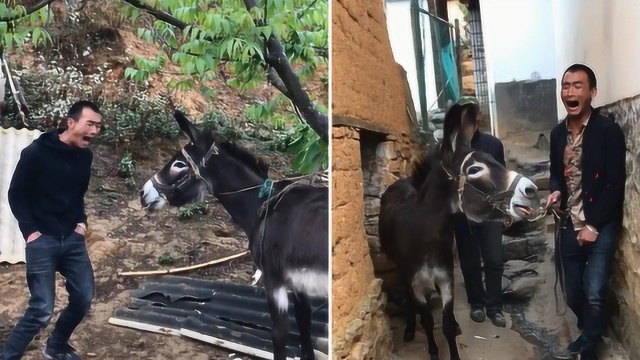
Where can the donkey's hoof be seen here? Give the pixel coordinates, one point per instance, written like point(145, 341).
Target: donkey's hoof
point(409, 336)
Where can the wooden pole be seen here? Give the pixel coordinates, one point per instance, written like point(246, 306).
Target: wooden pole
point(183, 269)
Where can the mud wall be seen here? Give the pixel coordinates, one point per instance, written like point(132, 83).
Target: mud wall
point(371, 119)
point(626, 280)
point(367, 84)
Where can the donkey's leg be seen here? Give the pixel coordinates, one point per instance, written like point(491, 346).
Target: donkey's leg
point(427, 322)
point(450, 326)
point(410, 313)
point(302, 307)
point(278, 303)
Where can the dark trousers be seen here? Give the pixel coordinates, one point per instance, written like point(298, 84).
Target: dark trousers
point(586, 278)
point(45, 256)
point(478, 244)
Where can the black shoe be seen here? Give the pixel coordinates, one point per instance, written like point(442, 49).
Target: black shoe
point(576, 346)
point(477, 315)
point(497, 319)
point(588, 354)
point(67, 352)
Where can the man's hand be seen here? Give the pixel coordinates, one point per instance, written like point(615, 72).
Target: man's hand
point(553, 199)
point(81, 230)
point(33, 236)
point(586, 236)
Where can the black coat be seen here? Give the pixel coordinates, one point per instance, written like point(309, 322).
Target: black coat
point(47, 189)
point(603, 168)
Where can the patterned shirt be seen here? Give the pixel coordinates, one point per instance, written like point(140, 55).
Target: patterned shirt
point(573, 175)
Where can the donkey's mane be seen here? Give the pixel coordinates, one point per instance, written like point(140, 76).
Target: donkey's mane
point(241, 153)
point(422, 166)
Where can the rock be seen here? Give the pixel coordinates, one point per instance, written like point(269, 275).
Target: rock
point(542, 143)
point(506, 283)
point(371, 206)
point(519, 268)
point(541, 180)
point(374, 244)
point(520, 248)
point(523, 288)
point(387, 150)
point(381, 263)
point(368, 336)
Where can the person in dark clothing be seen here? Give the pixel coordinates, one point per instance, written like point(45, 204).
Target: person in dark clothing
point(479, 243)
point(46, 196)
point(586, 179)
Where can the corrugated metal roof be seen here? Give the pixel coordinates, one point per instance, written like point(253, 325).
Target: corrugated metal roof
point(228, 315)
point(12, 142)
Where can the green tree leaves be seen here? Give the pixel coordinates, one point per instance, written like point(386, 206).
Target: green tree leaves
point(281, 42)
point(27, 25)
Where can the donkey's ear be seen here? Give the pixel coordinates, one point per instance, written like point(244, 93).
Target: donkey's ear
point(468, 125)
point(187, 127)
point(452, 125)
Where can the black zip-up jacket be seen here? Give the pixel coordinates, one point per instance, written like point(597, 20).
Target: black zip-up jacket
point(603, 168)
point(47, 190)
point(490, 144)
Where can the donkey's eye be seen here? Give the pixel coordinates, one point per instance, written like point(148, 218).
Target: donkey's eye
point(178, 166)
point(474, 170)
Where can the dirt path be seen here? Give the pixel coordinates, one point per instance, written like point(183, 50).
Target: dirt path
point(478, 341)
point(543, 327)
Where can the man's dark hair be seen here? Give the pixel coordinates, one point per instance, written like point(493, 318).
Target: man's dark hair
point(581, 67)
point(76, 109)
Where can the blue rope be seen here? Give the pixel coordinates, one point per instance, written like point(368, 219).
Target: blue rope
point(266, 189)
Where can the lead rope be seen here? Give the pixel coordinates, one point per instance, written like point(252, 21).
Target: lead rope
point(559, 267)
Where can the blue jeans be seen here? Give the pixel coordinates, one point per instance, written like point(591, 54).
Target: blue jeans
point(45, 256)
point(587, 270)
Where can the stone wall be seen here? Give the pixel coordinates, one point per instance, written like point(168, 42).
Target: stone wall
point(626, 279)
point(385, 159)
point(371, 117)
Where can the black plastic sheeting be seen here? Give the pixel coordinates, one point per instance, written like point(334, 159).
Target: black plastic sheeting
point(231, 312)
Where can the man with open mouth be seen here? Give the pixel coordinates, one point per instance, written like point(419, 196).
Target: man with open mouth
point(587, 177)
point(46, 196)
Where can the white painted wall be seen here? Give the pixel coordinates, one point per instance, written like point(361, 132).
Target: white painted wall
point(401, 38)
point(546, 36)
point(604, 34)
point(12, 141)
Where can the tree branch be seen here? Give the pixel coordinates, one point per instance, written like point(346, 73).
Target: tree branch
point(289, 83)
point(30, 11)
point(277, 59)
point(158, 14)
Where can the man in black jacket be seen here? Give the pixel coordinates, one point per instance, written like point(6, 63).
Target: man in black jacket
point(587, 177)
point(481, 242)
point(46, 195)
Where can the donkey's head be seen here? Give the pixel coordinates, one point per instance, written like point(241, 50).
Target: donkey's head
point(204, 164)
point(484, 189)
